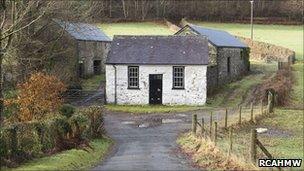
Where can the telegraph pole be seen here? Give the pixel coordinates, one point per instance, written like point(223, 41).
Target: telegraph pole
point(251, 2)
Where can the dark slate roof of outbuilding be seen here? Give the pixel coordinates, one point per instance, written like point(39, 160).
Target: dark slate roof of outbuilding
point(159, 50)
point(218, 37)
point(83, 31)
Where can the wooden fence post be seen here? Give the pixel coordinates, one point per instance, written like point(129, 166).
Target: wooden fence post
point(230, 142)
point(215, 132)
point(203, 127)
point(210, 130)
point(194, 123)
point(253, 150)
point(270, 103)
point(240, 115)
point(251, 112)
point(226, 118)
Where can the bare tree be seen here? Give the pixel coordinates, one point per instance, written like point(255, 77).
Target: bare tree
point(16, 16)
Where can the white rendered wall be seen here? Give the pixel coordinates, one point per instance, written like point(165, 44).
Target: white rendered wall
point(195, 91)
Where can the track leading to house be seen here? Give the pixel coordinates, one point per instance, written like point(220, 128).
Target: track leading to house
point(148, 142)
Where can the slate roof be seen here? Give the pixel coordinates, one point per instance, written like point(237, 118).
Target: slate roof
point(159, 50)
point(218, 37)
point(83, 31)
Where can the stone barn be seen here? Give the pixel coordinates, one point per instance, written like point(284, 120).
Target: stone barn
point(228, 56)
point(91, 46)
point(157, 70)
point(78, 50)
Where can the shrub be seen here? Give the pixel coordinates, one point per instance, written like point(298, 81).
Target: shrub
point(29, 141)
point(37, 97)
point(80, 124)
point(94, 113)
point(3, 144)
point(67, 110)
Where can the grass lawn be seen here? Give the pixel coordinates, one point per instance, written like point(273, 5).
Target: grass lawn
point(93, 83)
point(135, 28)
point(141, 109)
point(71, 159)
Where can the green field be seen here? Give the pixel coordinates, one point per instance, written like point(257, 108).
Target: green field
point(135, 28)
point(282, 35)
point(74, 159)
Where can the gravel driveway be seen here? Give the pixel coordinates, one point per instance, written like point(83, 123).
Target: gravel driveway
point(147, 142)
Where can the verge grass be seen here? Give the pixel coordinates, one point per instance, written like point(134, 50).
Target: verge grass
point(284, 138)
point(74, 159)
point(135, 28)
point(205, 154)
point(143, 109)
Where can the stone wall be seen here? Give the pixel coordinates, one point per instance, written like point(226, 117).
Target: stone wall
point(269, 52)
point(194, 93)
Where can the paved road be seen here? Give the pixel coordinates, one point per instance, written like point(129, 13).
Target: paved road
point(147, 142)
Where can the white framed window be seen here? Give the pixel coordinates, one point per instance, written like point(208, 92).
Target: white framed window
point(133, 77)
point(178, 77)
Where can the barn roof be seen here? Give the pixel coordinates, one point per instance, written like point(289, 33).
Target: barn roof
point(83, 31)
point(159, 50)
point(218, 37)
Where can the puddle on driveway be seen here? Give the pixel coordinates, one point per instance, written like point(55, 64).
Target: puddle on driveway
point(151, 122)
point(128, 123)
point(144, 125)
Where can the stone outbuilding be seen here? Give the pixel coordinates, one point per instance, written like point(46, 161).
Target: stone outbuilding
point(228, 56)
point(79, 50)
point(157, 70)
point(91, 47)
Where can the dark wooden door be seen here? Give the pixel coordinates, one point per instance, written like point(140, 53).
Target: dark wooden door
point(97, 67)
point(155, 88)
point(81, 70)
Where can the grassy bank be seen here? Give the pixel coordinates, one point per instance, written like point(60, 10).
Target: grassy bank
point(283, 139)
point(142, 109)
point(71, 159)
point(235, 93)
point(207, 156)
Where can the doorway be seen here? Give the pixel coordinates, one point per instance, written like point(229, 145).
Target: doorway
point(97, 67)
point(155, 88)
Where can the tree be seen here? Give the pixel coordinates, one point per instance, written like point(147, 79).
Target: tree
point(38, 97)
point(16, 15)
